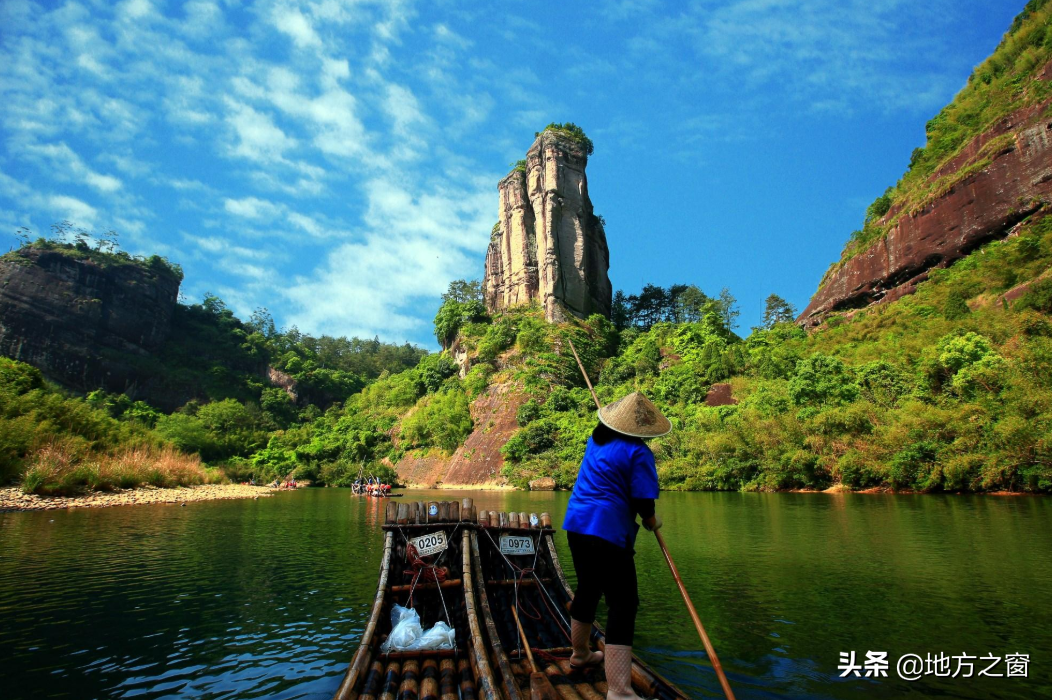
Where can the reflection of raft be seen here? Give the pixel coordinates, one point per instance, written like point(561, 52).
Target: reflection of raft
point(481, 588)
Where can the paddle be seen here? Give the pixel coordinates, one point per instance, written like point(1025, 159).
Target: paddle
point(671, 565)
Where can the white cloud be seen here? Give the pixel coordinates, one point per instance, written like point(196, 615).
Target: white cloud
point(249, 270)
point(185, 184)
point(215, 244)
point(200, 109)
point(66, 164)
point(446, 35)
point(295, 24)
point(187, 101)
point(258, 138)
point(825, 54)
point(413, 248)
point(305, 223)
point(203, 18)
point(334, 70)
point(77, 212)
point(135, 9)
point(251, 208)
point(402, 106)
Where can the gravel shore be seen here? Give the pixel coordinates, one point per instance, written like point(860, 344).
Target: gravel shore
point(13, 499)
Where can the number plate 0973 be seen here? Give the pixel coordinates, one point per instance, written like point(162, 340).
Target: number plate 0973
point(513, 544)
point(429, 544)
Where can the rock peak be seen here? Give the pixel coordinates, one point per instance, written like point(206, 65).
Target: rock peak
point(548, 245)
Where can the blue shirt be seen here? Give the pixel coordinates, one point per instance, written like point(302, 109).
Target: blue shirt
point(611, 475)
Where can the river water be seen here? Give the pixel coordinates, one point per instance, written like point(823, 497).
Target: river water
point(267, 598)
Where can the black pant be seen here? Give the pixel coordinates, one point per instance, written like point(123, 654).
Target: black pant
point(604, 569)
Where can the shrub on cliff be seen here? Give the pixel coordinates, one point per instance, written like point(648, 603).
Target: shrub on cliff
point(102, 249)
point(1038, 297)
point(573, 132)
point(442, 420)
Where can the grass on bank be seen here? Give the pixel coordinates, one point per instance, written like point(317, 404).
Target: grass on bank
point(57, 444)
point(58, 469)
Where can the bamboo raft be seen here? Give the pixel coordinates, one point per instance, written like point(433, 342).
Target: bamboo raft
point(489, 595)
point(462, 673)
point(535, 588)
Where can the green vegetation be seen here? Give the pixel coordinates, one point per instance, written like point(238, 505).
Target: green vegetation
point(101, 249)
point(947, 390)
point(213, 402)
point(462, 304)
point(573, 132)
point(1004, 83)
point(63, 445)
point(425, 407)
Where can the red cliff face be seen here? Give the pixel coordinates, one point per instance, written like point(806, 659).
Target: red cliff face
point(476, 463)
point(983, 206)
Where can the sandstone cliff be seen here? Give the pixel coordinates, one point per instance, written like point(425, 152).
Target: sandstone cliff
point(985, 167)
point(476, 463)
point(548, 245)
point(83, 322)
point(985, 204)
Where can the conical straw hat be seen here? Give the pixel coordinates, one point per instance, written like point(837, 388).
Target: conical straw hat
point(635, 415)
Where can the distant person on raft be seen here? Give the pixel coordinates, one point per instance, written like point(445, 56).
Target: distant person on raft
point(617, 481)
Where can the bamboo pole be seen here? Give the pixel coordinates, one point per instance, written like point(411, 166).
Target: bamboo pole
point(697, 620)
point(709, 649)
point(525, 642)
point(541, 687)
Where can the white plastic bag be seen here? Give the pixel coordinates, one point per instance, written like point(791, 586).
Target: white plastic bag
point(441, 636)
point(408, 635)
point(405, 629)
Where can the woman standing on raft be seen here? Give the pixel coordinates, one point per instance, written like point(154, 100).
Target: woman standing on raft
point(617, 481)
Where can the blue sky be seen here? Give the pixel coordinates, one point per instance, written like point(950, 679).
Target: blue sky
point(337, 161)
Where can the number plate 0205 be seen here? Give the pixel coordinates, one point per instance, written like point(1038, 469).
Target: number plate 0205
point(430, 544)
point(514, 544)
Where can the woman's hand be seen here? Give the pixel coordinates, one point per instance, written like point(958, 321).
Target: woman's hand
point(653, 522)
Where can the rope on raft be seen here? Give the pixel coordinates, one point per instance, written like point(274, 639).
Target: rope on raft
point(422, 568)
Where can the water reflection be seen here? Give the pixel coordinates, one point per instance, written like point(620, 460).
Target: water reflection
point(267, 598)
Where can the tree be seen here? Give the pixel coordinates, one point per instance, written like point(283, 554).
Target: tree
point(213, 304)
point(956, 307)
point(463, 291)
point(690, 304)
point(574, 132)
point(822, 379)
point(262, 322)
point(672, 302)
point(777, 310)
point(621, 311)
point(650, 307)
point(454, 314)
point(882, 204)
point(727, 306)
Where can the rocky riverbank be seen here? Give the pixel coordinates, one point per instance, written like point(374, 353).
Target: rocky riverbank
point(13, 499)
